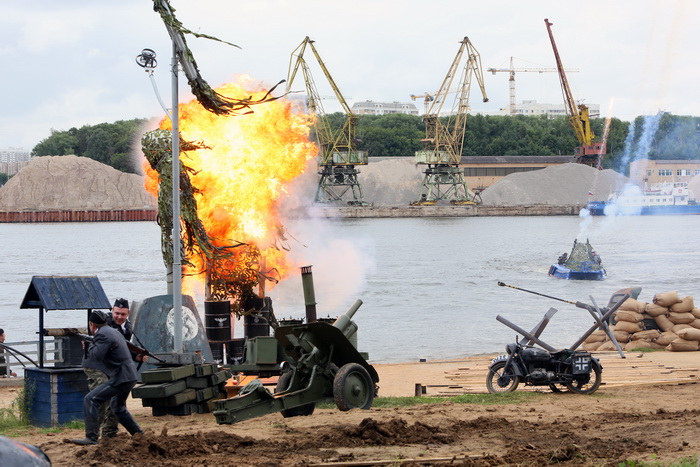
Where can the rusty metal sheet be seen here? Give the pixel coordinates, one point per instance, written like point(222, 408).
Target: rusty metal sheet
point(65, 293)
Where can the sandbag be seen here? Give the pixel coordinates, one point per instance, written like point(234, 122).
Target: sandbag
point(633, 305)
point(628, 327)
point(682, 345)
point(596, 336)
point(607, 346)
point(648, 335)
point(656, 310)
point(654, 345)
point(695, 324)
point(683, 306)
point(621, 336)
point(681, 318)
point(628, 315)
point(679, 327)
point(695, 312)
point(666, 299)
point(591, 346)
point(663, 322)
point(666, 338)
point(689, 334)
point(638, 344)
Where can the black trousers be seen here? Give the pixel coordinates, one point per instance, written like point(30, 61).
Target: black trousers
point(102, 393)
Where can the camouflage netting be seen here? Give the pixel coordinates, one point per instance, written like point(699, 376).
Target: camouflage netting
point(210, 99)
point(232, 269)
point(583, 258)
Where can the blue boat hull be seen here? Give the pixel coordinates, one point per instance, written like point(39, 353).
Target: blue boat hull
point(597, 208)
point(562, 272)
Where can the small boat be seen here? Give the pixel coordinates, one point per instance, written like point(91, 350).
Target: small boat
point(660, 199)
point(582, 264)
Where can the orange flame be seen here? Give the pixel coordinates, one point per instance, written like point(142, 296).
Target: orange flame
point(244, 174)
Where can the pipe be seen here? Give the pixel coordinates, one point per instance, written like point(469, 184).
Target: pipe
point(307, 283)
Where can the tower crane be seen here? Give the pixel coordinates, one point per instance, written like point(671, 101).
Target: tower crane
point(444, 137)
point(511, 79)
point(427, 99)
point(588, 152)
point(338, 152)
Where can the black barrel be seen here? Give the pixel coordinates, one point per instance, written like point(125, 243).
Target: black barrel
point(257, 323)
point(217, 321)
point(234, 351)
point(217, 351)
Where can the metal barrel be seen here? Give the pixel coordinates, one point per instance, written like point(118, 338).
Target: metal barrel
point(307, 282)
point(217, 321)
point(257, 324)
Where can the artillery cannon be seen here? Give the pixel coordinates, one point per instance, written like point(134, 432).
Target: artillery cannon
point(323, 364)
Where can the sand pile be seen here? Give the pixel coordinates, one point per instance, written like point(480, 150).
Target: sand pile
point(73, 183)
point(391, 182)
point(566, 184)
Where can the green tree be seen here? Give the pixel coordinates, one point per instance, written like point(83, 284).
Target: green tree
point(3, 178)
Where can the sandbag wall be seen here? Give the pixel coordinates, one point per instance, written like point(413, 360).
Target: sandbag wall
point(182, 390)
point(668, 322)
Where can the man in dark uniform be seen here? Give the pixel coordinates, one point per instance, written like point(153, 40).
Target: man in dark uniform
point(109, 353)
point(119, 320)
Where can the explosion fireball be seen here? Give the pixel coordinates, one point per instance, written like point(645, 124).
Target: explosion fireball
point(238, 170)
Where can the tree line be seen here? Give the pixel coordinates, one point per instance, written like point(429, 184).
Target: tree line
point(677, 137)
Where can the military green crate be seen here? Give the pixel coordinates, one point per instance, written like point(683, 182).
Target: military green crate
point(153, 391)
point(198, 382)
point(188, 395)
point(219, 377)
point(205, 369)
point(211, 403)
point(201, 407)
point(164, 375)
point(207, 393)
point(184, 409)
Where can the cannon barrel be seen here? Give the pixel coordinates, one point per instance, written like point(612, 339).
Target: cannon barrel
point(344, 322)
point(307, 282)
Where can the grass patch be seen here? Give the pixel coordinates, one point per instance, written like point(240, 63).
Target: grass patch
point(682, 462)
point(480, 399)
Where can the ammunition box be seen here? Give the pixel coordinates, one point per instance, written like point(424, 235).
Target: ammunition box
point(188, 395)
point(153, 391)
point(205, 369)
point(164, 375)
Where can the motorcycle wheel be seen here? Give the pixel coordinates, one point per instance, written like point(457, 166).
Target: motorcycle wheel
point(558, 388)
point(588, 384)
point(500, 381)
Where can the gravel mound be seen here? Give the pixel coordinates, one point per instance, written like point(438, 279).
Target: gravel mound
point(73, 183)
point(565, 184)
point(391, 182)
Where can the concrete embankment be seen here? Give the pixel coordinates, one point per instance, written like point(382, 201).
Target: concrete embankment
point(447, 211)
point(78, 216)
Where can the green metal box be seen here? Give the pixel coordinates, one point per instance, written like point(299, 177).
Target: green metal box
point(261, 350)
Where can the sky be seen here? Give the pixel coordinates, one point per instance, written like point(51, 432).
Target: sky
point(71, 63)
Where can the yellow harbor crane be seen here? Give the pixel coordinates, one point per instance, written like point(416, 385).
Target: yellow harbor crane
point(511, 80)
point(338, 152)
point(588, 152)
point(444, 136)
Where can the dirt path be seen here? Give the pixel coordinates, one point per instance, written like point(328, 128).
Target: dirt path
point(647, 410)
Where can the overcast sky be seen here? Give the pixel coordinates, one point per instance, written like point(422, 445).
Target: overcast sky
point(70, 63)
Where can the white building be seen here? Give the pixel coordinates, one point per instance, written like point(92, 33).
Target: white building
point(533, 108)
point(384, 108)
point(14, 155)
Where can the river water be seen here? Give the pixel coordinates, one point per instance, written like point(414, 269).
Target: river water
point(428, 285)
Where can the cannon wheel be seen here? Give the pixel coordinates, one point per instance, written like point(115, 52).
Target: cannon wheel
point(302, 410)
point(353, 388)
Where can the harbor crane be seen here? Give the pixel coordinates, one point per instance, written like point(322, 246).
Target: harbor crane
point(511, 79)
point(444, 136)
point(338, 152)
point(588, 152)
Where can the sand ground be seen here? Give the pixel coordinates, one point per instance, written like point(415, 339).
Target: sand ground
point(646, 409)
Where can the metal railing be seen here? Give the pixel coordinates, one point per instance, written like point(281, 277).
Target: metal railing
point(53, 353)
